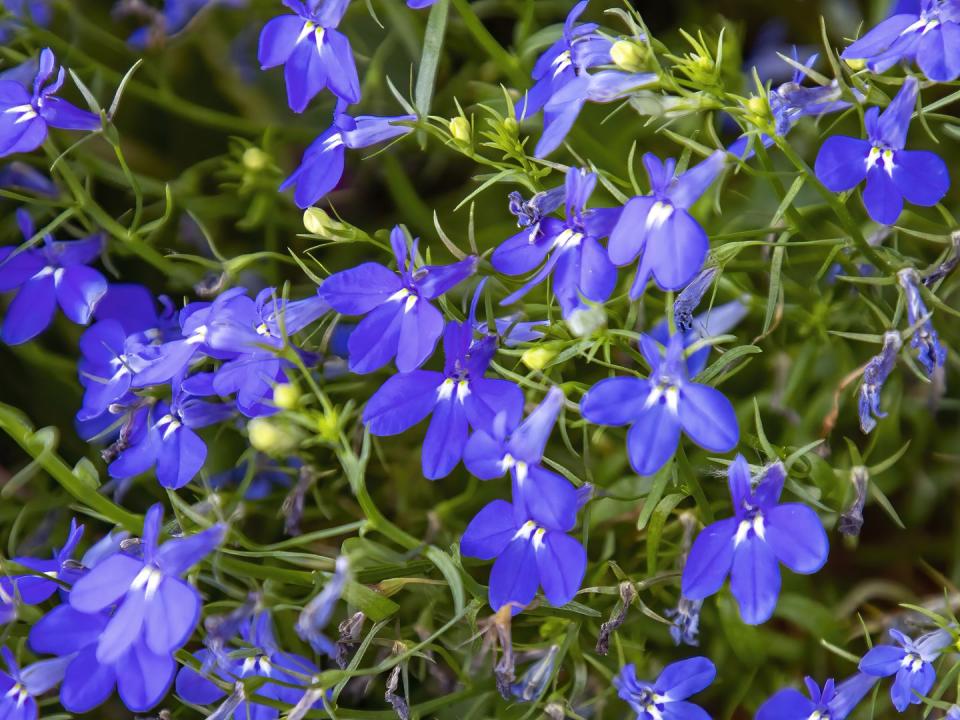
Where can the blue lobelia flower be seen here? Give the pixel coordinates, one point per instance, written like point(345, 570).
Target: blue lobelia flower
point(135, 308)
point(875, 374)
point(400, 320)
point(833, 702)
point(176, 356)
point(930, 352)
point(254, 332)
point(141, 676)
point(750, 545)
point(718, 320)
point(912, 663)
point(528, 554)
point(35, 589)
point(460, 398)
point(266, 660)
point(953, 713)
point(20, 175)
point(321, 167)
point(666, 697)
point(659, 227)
point(33, 12)
point(19, 688)
point(579, 48)
point(163, 435)
point(55, 273)
point(420, 4)
point(152, 602)
point(927, 33)
point(110, 358)
point(315, 54)
point(791, 100)
point(562, 83)
point(577, 260)
point(892, 173)
point(659, 407)
point(317, 613)
point(25, 115)
point(538, 493)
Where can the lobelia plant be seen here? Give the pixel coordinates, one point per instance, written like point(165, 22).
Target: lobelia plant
point(613, 342)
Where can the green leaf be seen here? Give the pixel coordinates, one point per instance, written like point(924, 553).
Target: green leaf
point(655, 529)
point(374, 605)
point(432, 44)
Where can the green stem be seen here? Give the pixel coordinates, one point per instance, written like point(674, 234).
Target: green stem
point(42, 450)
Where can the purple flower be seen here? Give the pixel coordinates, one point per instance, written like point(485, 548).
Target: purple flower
point(20, 688)
point(141, 676)
point(686, 621)
point(833, 702)
point(163, 435)
point(953, 713)
point(659, 227)
point(659, 407)
point(23, 176)
point(750, 545)
point(322, 164)
point(912, 663)
point(924, 340)
point(578, 262)
point(317, 613)
point(892, 173)
point(875, 374)
point(459, 398)
point(176, 15)
point(529, 554)
point(152, 602)
point(315, 54)
point(538, 494)
point(54, 273)
point(666, 697)
point(562, 83)
point(25, 115)
point(266, 661)
point(35, 589)
point(254, 333)
point(928, 35)
point(400, 320)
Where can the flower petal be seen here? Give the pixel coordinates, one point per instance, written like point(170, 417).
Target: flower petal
point(79, 289)
point(755, 580)
point(420, 329)
point(489, 532)
point(842, 162)
point(104, 584)
point(278, 39)
point(680, 680)
point(359, 290)
point(881, 197)
point(561, 563)
point(615, 401)
point(652, 439)
point(786, 704)
point(401, 402)
point(797, 537)
point(374, 341)
point(709, 560)
point(708, 418)
point(921, 177)
point(31, 310)
point(514, 577)
point(171, 615)
point(445, 439)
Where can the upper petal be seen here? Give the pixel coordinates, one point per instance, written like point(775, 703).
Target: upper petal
point(708, 417)
point(797, 537)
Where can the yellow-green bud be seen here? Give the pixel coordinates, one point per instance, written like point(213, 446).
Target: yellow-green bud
point(757, 105)
point(267, 437)
point(255, 159)
point(315, 220)
point(629, 56)
point(460, 129)
point(536, 358)
point(328, 426)
point(585, 322)
point(856, 63)
point(511, 126)
point(286, 396)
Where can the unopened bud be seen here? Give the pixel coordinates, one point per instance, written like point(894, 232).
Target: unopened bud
point(328, 426)
point(286, 396)
point(856, 63)
point(758, 106)
point(511, 126)
point(460, 130)
point(537, 358)
point(267, 437)
point(255, 159)
point(628, 55)
point(315, 220)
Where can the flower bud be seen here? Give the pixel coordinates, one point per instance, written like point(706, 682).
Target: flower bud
point(286, 396)
point(856, 63)
point(511, 126)
point(255, 159)
point(315, 220)
point(328, 426)
point(267, 437)
point(460, 130)
point(537, 358)
point(758, 106)
point(628, 55)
